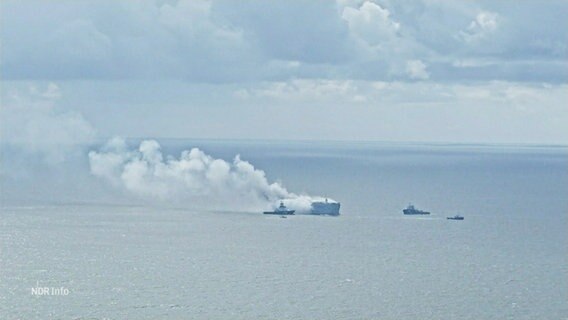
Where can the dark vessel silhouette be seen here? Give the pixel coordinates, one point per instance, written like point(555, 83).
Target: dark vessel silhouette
point(411, 210)
point(281, 210)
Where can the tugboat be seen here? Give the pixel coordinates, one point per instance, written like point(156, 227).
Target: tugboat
point(410, 210)
point(456, 217)
point(281, 210)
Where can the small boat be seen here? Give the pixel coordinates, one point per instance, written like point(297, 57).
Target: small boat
point(411, 210)
point(456, 217)
point(281, 210)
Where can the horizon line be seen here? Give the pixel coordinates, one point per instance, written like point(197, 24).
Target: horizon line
point(268, 140)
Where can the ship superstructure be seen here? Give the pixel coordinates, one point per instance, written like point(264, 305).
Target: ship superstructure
point(281, 210)
point(325, 207)
point(411, 210)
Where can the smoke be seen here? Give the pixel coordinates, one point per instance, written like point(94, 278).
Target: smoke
point(32, 123)
point(193, 178)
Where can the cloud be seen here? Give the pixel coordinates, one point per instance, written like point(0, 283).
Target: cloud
point(303, 90)
point(340, 93)
point(194, 178)
point(371, 23)
point(484, 24)
point(385, 45)
point(376, 110)
point(416, 69)
point(78, 41)
point(203, 47)
point(222, 41)
point(110, 39)
point(31, 122)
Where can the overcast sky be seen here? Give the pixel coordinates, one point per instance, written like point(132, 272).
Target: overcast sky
point(425, 70)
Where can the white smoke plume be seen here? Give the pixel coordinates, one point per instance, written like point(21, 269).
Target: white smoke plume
point(194, 177)
point(32, 122)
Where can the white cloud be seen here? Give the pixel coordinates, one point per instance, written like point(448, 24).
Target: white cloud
point(471, 63)
point(191, 19)
point(304, 90)
point(371, 23)
point(432, 111)
point(52, 92)
point(484, 24)
point(395, 93)
point(416, 69)
point(380, 39)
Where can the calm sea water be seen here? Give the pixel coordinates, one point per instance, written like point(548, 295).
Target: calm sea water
point(119, 259)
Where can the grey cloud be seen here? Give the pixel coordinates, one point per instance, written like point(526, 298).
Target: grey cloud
point(227, 41)
point(309, 31)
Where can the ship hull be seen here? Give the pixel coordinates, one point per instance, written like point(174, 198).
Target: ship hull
point(414, 212)
point(325, 208)
point(281, 213)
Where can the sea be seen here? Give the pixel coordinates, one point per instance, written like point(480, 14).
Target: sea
point(73, 247)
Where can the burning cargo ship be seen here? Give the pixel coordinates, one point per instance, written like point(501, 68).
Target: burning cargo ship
point(326, 207)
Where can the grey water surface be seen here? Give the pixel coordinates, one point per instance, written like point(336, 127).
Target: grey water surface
point(121, 259)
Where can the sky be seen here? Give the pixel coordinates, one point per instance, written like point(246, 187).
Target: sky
point(73, 72)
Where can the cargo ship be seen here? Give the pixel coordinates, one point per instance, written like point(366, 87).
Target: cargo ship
point(325, 207)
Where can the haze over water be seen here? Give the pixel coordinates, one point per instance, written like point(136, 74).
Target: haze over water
point(125, 257)
point(103, 217)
